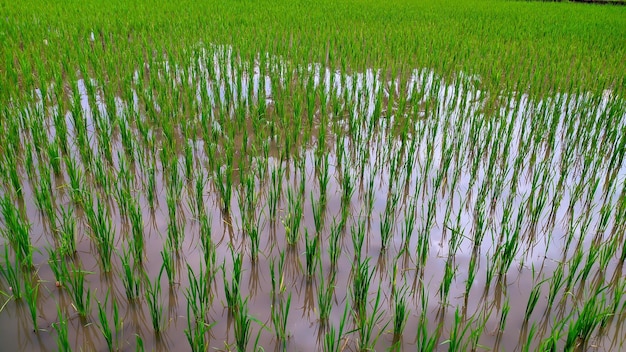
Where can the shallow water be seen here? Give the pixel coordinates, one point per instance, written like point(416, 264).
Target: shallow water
point(461, 198)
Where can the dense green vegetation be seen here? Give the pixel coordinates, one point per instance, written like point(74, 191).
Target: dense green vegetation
point(329, 175)
point(508, 44)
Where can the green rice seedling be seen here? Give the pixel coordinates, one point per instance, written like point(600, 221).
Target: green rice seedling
point(589, 318)
point(508, 251)
point(476, 332)
point(312, 253)
point(401, 312)
point(607, 310)
point(132, 285)
point(127, 139)
point(574, 263)
point(56, 261)
point(362, 277)
point(302, 171)
point(103, 175)
point(175, 228)
point(607, 252)
point(76, 178)
point(280, 315)
point(261, 167)
point(593, 252)
point(31, 293)
point(12, 274)
point(242, 326)
point(293, 218)
point(81, 295)
point(11, 166)
point(102, 231)
point(231, 289)
point(153, 298)
point(67, 232)
point(168, 262)
point(136, 228)
point(424, 340)
point(104, 326)
point(122, 195)
point(409, 223)
point(526, 347)
point(224, 181)
point(189, 164)
point(552, 342)
point(274, 292)
point(318, 215)
point(448, 276)
point(118, 323)
point(198, 293)
point(556, 283)
point(254, 233)
point(532, 301)
point(324, 179)
point(278, 280)
point(357, 233)
point(618, 294)
point(43, 196)
point(480, 220)
point(104, 141)
point(276, 182)
point(29, 164)
point(492, 266)
point(17, 232)
point(387, 220)
point(248, 197)
point(138, 344)
point(334, 248)
point(503, 315)
point(366, 324)
point(457, 334)
point(325, 297)
point(63, 341)
point(176, 183)
point(196, 333)
point(423, 242)
point(60, 127)
point(208, 248)
point(150, 187)
point(333, 337)
point(347, 190)
point(199, 192)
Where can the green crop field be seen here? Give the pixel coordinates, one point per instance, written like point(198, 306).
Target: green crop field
point(347, 175)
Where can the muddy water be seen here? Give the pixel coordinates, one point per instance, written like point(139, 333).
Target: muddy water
point(440, 210)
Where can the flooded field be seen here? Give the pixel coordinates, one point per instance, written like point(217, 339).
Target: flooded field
point(225, 204)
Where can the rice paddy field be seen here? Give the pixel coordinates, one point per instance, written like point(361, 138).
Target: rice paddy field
point(350, 175)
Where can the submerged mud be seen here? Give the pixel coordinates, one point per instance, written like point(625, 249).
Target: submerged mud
point(512, 198)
